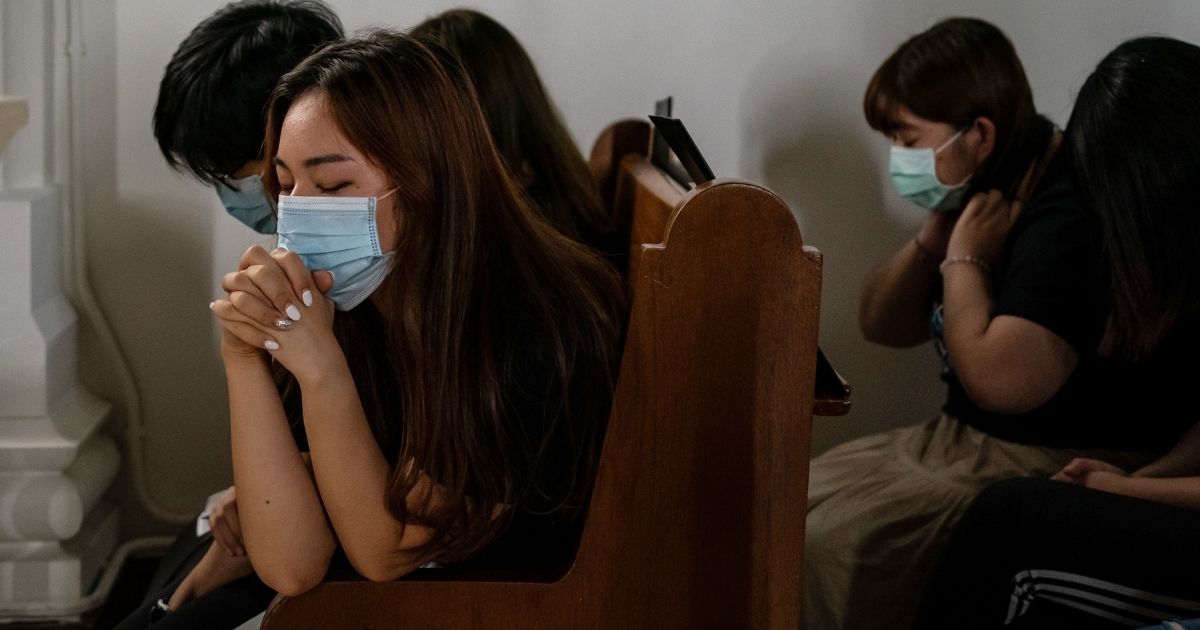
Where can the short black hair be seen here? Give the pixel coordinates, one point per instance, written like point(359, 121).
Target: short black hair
point(209, 119)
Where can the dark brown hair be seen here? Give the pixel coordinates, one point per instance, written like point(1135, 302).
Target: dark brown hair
point(482, 295)
point(1135, 143)
point(955, 72)
point(525, 125)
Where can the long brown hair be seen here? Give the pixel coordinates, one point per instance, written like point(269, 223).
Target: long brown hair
point(955, 72)
point(525, 125)
point(482, 294)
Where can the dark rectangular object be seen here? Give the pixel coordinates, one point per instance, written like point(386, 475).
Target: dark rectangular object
point(684, 148)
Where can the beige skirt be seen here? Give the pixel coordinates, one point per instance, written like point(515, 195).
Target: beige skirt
point(880, 509)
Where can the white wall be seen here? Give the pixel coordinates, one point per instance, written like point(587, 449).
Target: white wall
point(771, 89)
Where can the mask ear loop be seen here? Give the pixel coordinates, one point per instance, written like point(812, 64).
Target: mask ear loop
point(951, 140)
point(939, 150)
point(387, 194)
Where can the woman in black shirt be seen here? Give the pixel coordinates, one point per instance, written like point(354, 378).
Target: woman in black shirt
point(1006, 278)
point(1038, 553)
point(454, 403)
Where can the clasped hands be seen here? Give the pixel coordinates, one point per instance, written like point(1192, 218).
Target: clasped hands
point(275, 305)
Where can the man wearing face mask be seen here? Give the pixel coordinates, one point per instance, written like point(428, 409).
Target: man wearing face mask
point(209, 117)
point(209, 123)
point(1005, 276)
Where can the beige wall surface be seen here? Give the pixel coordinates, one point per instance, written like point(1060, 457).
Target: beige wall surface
point(771, 90)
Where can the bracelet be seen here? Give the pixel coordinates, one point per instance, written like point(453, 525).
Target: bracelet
point(978, 262)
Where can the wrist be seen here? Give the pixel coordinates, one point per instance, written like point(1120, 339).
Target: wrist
point(974, 261)
point(242, 355)
point(1106, 481)
point(330, 367)
point(924, 253)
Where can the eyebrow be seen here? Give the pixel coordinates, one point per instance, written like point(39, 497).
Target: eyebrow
point(328, 158)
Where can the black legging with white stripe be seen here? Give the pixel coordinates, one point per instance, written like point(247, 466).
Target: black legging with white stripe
point(1035, 553)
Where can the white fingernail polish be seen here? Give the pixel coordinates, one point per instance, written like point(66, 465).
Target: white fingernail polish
point(307, 297)
point(212, 305)
point(292, 312)
point(271, 344)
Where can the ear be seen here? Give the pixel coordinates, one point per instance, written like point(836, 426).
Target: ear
point(985, 131)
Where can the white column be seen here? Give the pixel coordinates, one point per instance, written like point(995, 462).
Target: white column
point(55, 465)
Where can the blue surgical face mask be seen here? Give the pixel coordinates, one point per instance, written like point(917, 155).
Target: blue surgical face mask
point(340, 235)
point(914, 173)
point(245, 201)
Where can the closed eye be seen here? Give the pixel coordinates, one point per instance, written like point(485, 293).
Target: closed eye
point(332, 189)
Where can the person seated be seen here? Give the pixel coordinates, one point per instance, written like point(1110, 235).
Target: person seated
point(527, 128)
point(208, 120)
point(1109, 548)
point(422, 371)
point(1006, 277)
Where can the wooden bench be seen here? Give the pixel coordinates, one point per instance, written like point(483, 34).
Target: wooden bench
point(697, 515)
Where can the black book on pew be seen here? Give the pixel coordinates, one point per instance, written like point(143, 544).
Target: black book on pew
point(672, 133)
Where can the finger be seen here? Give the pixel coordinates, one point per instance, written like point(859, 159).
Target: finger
point(235, 530)
point(221, 536)
point(1014, 211)
point(299, 275)
point(275, 286)
point(259, 311)
point(1075, 467)
point(974, 205)
point(254, 255)
point(240, 327)
point(1059, 476)
point(323, 280)
point(239, 281)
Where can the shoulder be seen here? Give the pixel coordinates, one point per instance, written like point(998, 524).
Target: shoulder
point(1055, 201)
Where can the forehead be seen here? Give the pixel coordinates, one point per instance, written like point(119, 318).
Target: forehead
point(309, 129)
point(906, 121)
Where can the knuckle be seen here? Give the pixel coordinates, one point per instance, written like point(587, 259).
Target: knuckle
point(251, 253)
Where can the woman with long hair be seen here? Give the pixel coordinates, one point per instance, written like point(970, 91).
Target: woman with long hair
point(1109, 548)
point(437, 391)
point(1005, 277)
point(528, 131)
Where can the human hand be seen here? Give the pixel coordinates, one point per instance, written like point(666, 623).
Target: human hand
point(1084, 471)
point(215, 569)
point(276, 304)
point(983, 228)
point(226, 526)
point(935, 233)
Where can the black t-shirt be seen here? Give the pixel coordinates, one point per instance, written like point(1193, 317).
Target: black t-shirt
point(1053, 274)
point(536, 537)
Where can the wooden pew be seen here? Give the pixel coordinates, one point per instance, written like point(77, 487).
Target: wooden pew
point(697, 516)
point(832, 395)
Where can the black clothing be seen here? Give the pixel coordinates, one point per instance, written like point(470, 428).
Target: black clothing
point(1053, 274)
point(1045, 554)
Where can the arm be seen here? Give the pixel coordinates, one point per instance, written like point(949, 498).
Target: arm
point(1181, 492)
point(1183, 460)
point(1006, 364)
point(897, 295)
point(351, 473)
point(353, 476)
point(283, 522)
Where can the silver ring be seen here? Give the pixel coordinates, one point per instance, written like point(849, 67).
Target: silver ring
point(283, 323)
